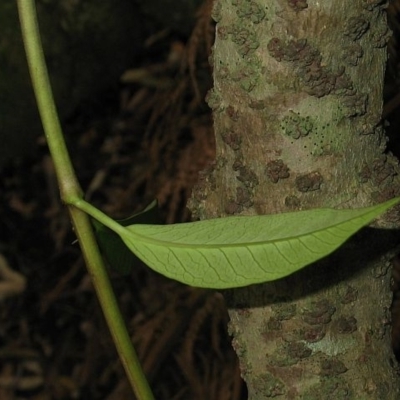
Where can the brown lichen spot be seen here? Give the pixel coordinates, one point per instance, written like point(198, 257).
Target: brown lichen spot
point(273, 324)
point(222, 32)
point(292, 202)
point(290, 51)
point(238, 162)
point(257, 104)
point(310, 334)
point(208, 175)
point(356, 27)
point(345, 325)
point(380, 36)
point(352, 54)
point(365, 174)
point(355, 104)
point(387, 313)
point(309, 182)
point(380, 269)
point(233, 114)
point(237, 165)
point(247, 78)
point(244, 197)
point(275, 48)
point(289, 354)
point(232, 139)
point(276, 170)
point(239, 35)
point(368, 125)
point(267, 385)
point(318, 80)
point(343, 84)
point(250, 10)
point(284, 311)
point(383, 195)
point(350, 295)
point(245, 39)
point(332, 367)
point(297, 350)
point(308, 55)
point(314, 334)
point(382, 170)
point(319, 312)
point(200, 190)
point(298, 5)
point(223, 72)
point(231, 207)
point(247, 177)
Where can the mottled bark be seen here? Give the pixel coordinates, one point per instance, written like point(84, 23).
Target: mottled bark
point(297, 103)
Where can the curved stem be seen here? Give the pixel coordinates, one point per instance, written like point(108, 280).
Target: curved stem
point(71, 193)
point(98, 215)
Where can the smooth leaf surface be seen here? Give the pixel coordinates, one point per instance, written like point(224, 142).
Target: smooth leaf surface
point(239, 251)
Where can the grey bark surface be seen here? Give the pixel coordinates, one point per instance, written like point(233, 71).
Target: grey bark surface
point(297, 100)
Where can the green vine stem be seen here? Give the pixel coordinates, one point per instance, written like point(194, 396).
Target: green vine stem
point(71, 193)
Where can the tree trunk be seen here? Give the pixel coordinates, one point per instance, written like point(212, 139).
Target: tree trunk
point(297, 103)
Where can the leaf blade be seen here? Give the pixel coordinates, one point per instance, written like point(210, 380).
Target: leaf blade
point(239, 251)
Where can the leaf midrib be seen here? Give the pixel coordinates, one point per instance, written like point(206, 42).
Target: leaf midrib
point(172, 244)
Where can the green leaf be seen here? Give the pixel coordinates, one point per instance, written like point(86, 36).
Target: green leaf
point(239, 251)
point(114, 249)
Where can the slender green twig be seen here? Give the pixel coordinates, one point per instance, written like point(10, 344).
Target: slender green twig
point(99, 216)
point(71, 193)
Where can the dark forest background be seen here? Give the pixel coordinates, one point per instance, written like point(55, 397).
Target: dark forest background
point(130, 78)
